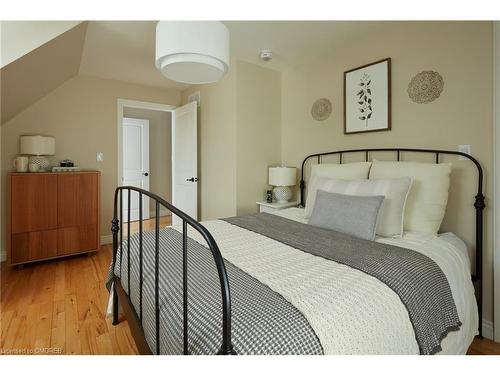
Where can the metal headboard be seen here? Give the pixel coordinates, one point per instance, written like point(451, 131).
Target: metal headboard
point(479, 204)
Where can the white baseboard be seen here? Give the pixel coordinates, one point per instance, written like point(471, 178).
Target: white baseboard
point(488, 329)
point(106, 240)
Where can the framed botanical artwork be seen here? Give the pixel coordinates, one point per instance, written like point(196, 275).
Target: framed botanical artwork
point(367, 98)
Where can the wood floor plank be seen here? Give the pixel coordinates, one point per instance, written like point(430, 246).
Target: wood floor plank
point(72, 333)
point(58, 332)
point(28, 338)
point(62, 304)
point(44, 326)
point(60, 281)
point(5, 321)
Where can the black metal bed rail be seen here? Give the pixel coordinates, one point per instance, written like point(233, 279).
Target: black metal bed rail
point(226, 346)
point(479, 204)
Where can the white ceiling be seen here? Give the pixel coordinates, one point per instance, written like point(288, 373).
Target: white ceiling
point(293, 42)
point(125, 50)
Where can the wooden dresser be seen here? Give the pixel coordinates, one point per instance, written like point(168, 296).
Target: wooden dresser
point(51, 215)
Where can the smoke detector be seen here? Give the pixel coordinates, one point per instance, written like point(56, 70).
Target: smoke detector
point(266, 55)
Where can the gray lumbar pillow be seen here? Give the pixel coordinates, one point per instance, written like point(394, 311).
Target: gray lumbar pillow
point(353, 215)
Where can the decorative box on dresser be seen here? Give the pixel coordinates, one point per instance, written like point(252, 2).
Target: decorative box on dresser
point(51, 215)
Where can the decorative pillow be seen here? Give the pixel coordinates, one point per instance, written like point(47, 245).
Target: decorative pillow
point(426, 203)
point(395, 192)
point(348, 171)
point(349, 214)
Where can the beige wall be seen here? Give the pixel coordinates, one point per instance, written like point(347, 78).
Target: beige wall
point(258, 132)
point(217, 146)
point(160, 150)
point(239, 137)
point(462, 53)
point(82, 115)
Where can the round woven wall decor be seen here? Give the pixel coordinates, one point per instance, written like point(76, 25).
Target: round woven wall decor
point(321, 109)
point(425, 87)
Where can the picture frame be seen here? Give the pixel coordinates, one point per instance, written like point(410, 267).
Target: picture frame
point(367, 98)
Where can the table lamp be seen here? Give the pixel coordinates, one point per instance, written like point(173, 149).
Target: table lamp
point(282, 178)
point(37, 146)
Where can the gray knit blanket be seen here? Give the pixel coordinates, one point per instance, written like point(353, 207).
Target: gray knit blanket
point(415, 278)
point(263, 322)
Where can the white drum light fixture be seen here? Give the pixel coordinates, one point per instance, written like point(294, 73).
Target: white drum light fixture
point(192, 52)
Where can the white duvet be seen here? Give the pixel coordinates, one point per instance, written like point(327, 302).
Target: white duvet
point(350, 311)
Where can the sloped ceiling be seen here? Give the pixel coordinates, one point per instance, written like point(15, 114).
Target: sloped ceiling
point(34, 75)
point(21, 37)
point(124, 51)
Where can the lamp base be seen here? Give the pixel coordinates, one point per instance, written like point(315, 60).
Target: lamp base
point(41, 161)
point(282, 194)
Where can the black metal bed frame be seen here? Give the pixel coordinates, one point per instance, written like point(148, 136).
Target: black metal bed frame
point(135, 320)
point(479, 205)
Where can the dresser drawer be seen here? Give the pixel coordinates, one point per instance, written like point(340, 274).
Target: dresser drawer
point(78, 239)
point(33, 246)
point(269, 210)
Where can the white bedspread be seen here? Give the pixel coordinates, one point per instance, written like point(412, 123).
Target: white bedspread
point(350, 311)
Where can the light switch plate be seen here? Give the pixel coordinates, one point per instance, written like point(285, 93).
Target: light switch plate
point(99, 157)
point(466, 149)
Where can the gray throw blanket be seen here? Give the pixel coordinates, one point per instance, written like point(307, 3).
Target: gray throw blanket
point(263, 322)
point(415, 278)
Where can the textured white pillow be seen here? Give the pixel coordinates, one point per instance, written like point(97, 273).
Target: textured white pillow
point(394, 191)
point(426, 203)
point(347, 171)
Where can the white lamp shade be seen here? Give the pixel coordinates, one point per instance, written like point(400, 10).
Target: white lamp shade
point(282, 176)
point(193, 52)
point(37, 145)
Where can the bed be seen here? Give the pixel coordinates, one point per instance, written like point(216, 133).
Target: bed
point(264, 284)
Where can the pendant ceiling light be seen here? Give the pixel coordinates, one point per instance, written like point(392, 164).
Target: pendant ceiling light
point(192, 51)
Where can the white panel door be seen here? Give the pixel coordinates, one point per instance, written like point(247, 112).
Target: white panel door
point(185, 160)
point(135, 165)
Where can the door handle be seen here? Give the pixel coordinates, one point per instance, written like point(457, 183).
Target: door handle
point(192, 179)
point(146, 174)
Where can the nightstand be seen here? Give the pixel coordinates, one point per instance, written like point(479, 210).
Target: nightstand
point(271, 207)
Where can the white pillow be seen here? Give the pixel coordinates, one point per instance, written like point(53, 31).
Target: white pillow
point(426, 203)
point(348, 171)
point(394, 191)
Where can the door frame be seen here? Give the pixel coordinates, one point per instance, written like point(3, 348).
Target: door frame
point(121, 104)
point(496, 180)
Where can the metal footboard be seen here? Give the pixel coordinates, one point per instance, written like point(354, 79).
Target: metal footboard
point(126, 192)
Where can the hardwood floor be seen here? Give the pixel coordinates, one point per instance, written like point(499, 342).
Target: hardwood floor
point(58, 307)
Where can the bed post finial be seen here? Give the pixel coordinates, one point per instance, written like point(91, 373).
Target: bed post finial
point(115, 227)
